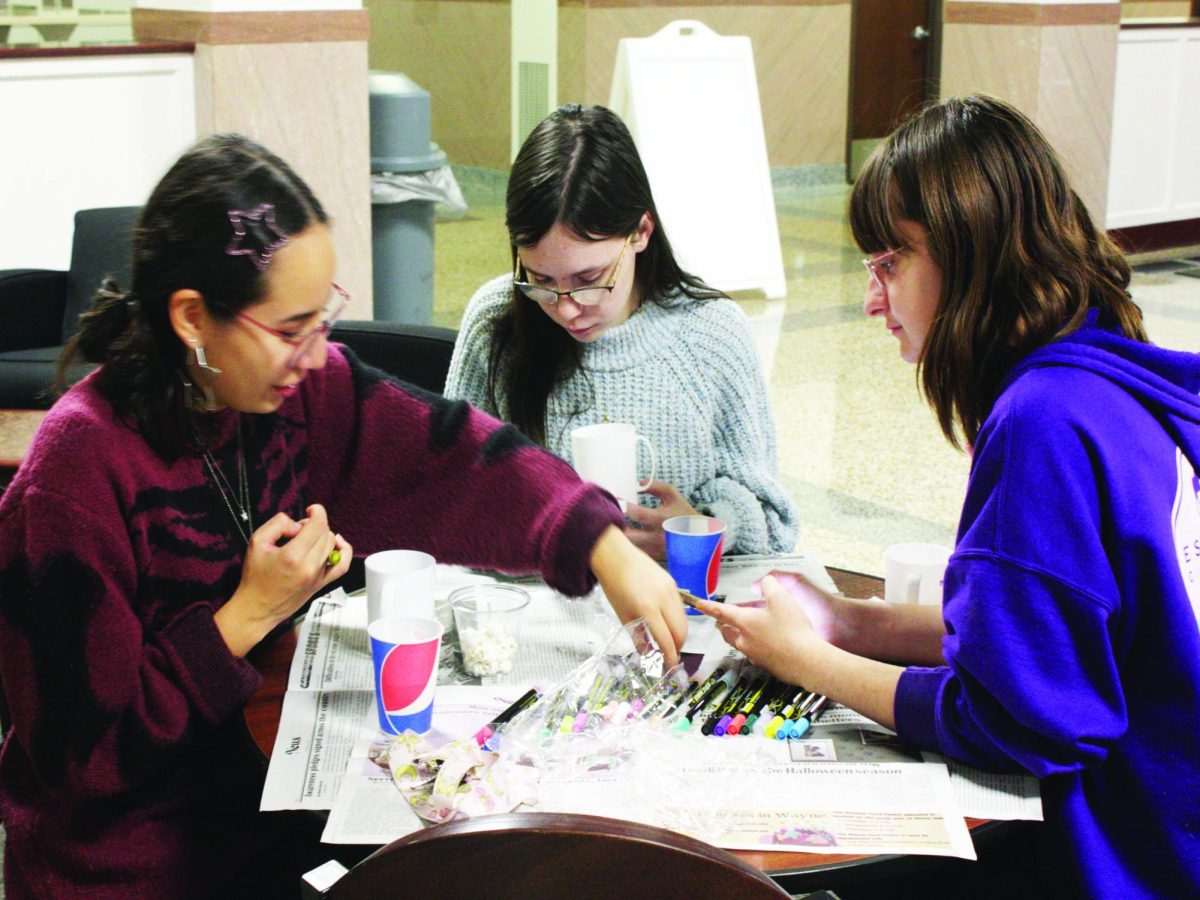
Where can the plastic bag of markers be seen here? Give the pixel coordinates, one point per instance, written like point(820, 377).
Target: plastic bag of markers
point(584, 720)
point(599, 748)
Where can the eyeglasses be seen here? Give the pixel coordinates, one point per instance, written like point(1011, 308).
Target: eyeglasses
point(584, 296)
point(304, 341)
point(885, 263)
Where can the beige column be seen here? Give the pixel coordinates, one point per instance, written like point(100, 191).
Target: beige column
point(1057, 62)
point(461, 52)
point(801, 58)
point(297, 82)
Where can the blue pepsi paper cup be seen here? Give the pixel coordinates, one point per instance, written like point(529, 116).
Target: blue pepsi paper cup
point(404, 650)
point(694, 554)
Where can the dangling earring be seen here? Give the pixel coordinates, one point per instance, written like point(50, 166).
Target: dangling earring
point(198, 352)
point(209, 400)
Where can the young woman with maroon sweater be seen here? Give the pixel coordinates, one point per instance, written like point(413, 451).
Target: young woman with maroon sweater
point(189, 496)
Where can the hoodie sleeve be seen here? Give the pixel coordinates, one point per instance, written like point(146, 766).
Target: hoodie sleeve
point(1031, 604)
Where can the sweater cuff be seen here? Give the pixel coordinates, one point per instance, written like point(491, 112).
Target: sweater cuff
point(566, 567)
point(918, 695)
point(729, 513)
point(219, 682)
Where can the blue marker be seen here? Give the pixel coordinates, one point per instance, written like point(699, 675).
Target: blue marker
point(811, 716)
point(788, 728)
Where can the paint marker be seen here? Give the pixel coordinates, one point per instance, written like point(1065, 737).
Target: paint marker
point(776, 704)
point(788, 728)
point(811, 717)
point(777, 721)
point(721, 718)
point(523, 703)
point(712, 695)
point(772, 690)
point(748, 706)
point(696, 695)
point(733, 713)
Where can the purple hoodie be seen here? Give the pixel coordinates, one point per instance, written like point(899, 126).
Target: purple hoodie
point(1071, 608)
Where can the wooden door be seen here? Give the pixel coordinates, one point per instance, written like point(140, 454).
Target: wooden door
point(894, 47)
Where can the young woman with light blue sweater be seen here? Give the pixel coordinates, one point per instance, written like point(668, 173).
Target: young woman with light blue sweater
point(598, 323)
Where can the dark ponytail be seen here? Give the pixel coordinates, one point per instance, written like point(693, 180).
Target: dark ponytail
point(181, 242)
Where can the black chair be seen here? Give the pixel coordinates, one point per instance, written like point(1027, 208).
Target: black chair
point(418, 354)
point(40, 308)
point(551, 856)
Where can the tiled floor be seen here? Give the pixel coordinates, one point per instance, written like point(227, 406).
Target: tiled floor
point(858, 449)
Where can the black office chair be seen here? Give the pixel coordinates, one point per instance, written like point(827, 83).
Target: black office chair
point(40, 308)
point(551, 856)
point(418, 354)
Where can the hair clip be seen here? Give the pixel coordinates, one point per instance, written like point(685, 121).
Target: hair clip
point(263, 214)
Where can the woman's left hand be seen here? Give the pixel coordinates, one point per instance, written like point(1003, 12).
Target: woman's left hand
point(649, 536)
point(638, 588)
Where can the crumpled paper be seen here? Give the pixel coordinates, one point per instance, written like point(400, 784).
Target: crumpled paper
point(458, 780)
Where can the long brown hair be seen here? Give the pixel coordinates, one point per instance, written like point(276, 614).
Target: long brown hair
point(580, 167)
point(1022, 263)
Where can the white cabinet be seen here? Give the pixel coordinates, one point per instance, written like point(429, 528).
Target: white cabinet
point(1154, 170)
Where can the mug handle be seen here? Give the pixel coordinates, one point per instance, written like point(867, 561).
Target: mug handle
point(912, 593)
point(650, 450)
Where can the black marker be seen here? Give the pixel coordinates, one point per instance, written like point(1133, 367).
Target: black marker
point(525, 701)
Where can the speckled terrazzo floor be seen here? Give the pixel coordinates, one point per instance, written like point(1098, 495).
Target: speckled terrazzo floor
point(858, 449)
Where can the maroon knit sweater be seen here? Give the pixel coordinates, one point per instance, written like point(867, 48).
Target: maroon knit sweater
point(126, 770)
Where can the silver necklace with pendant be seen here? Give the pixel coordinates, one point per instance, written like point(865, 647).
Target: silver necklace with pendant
point(237, 502)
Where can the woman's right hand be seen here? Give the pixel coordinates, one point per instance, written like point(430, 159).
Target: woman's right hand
point(277, 578)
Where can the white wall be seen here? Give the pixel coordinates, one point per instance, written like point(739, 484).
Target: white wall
point(83, 132)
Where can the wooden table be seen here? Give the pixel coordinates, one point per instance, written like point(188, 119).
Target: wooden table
point(795, 872)
point(17, 427)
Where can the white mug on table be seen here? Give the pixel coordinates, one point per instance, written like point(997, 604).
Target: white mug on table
point(400, 583)
point(606, 454)
point(913, 573)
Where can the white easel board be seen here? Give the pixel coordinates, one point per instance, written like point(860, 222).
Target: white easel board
point(690, 99)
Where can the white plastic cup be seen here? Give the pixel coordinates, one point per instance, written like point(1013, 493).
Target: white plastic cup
point(400, 583)
point(913, 573)
point(606, 454)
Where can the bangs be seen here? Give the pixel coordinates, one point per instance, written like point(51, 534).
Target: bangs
point(875, 205)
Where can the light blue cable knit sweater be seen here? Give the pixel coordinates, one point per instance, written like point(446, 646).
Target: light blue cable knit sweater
point(687, 375)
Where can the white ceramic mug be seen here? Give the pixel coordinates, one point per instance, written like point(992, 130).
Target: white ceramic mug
point(606, 454)
point(400, 583)
point(913, 573)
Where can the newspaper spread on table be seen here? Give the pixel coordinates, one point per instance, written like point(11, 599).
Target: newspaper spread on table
point(849, 787)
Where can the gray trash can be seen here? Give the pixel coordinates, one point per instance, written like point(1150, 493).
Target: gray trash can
point(401, 231)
